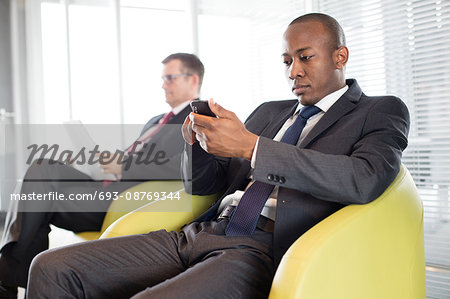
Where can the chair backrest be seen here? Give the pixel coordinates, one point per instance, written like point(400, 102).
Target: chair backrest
point(374, 250)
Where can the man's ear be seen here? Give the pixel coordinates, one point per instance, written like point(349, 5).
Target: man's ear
point(341, 57)
point(195, 80)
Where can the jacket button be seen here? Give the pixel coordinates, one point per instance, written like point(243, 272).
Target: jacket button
point(282, 180)
point(270, 177)
point(276, 178)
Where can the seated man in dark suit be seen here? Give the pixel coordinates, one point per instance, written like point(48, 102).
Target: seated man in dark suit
point(26, 233)
point(291, 165)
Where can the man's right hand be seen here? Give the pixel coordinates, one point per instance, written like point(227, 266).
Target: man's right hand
point(188, 134)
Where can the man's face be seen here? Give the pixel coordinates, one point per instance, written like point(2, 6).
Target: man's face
point(180, 88)
point(311, 63)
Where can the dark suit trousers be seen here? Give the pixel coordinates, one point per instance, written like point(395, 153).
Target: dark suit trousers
point(26, 233)
point(198, 262)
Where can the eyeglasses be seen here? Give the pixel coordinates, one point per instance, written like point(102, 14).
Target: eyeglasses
point(169, 78)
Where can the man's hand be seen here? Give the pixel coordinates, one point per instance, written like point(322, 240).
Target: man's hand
point(224, 136)
point(113, 166)
point(188, 133)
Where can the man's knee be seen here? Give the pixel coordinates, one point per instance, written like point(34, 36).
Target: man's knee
point(37, 167)
point(45, 274)
point(45, 264)
point(42, 169)
point(39, 164)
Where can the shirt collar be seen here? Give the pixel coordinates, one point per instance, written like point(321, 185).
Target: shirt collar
point(325, 103)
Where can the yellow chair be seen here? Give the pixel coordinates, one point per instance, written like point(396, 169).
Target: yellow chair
point(169, 215)
point(361, 251)
point(123, 206)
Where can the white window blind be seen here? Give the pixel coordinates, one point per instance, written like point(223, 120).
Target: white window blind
point(402, 48)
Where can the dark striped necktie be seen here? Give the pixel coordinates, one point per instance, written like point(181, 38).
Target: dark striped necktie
point(245, 216)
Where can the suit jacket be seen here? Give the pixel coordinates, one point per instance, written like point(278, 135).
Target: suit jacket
point(165, 146)
point(350, 157)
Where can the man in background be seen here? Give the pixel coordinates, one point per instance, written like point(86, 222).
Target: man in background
point(290, 166)
point(26, 233)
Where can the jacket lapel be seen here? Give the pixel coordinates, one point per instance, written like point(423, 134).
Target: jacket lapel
point(344, 105)
point(269, 131)
point(150, 123)
point(272, 129)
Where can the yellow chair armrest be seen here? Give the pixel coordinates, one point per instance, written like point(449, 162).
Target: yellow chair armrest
point(160, 215)
point(122, 206)
point(88, 236)
point(362, 251)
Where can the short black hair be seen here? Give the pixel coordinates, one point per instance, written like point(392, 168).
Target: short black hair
point(189, 61)
point(331, 25)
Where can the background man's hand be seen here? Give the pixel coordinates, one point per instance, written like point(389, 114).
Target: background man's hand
point(224, 136)
point(188, 133)
point(113, 166)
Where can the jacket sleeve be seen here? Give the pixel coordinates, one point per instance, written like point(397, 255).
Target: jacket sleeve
point(159, 159)
point(355, 175)
point(202, 172)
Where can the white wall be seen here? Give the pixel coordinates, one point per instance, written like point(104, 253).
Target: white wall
point(5, 57)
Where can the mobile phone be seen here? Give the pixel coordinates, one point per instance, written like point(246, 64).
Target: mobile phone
point(202, 107)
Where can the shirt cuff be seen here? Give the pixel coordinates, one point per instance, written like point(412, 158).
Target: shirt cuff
point(253, 161)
